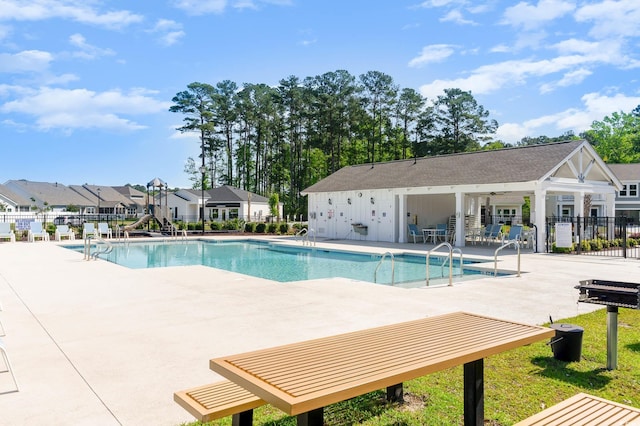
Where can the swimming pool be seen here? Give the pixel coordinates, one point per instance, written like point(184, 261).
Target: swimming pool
point(279, 262)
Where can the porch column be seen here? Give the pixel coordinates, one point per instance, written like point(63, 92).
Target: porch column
point(459, 240)
point(538, 216)
point(578, 204)
point(610, 205)
point(402, 218)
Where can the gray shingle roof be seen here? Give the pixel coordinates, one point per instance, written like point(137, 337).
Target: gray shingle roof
point(229, 193)
point(522, 164)
point(626, 172)
point(16, 198)
point(55, 194)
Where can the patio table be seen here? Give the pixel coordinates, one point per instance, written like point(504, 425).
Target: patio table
point(301, 378)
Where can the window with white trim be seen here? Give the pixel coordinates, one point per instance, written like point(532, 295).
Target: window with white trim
point(629, 190)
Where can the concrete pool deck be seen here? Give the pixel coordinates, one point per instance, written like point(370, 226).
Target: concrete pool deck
point(94, 343)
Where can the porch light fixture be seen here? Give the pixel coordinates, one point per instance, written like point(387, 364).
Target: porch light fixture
point(349, 200)
point(330, 202)
point(372, 200)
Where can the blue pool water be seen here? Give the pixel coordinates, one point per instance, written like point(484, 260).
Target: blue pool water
point(279, 262)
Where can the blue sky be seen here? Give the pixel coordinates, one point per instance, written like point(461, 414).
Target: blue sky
point(85, 85)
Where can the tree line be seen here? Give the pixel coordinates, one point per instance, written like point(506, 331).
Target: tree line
point(280, 140)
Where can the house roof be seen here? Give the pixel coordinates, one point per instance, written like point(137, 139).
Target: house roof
point(17, 199)
point(55, 194)
point(523, 164)
point(626, 172)
point(109, 197)
point(228, 193)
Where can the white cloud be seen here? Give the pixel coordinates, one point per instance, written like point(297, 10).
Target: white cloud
point(25, 61)
point(611, 18)
point(432, 54)
point(492, 77)
point(527, 16)
point(201, 7)
point(38, 10)
point(170, 31)
point(455, 16)
point(87, 51)
point(65, 109)
point(596, 106)
point(571, 78)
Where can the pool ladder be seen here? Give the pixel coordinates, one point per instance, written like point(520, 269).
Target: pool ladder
point(393, 267)
point(495, 255)
point(106, 249)
point(304, 234)
point(448, 260)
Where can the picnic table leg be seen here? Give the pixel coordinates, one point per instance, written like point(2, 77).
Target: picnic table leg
point(244, 418)
point(312, 418)
point(474, 393)
point(395, 393)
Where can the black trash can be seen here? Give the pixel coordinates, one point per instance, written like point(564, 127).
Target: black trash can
point(567, 343)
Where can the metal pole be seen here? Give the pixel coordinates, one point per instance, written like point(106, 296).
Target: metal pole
point(612, 337)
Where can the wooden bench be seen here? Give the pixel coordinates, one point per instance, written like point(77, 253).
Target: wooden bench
point(219, 399)
point(585, 409)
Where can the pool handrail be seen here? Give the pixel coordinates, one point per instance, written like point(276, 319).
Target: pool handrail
point(393, 266)
point(495, 256)
point(450, 247)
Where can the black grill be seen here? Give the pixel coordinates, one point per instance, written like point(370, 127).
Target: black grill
point(610, 293)
point(613, 294)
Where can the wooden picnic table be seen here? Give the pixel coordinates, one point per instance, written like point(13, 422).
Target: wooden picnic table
point(302, 378)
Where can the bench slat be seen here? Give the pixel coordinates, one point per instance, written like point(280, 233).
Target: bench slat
point(216, 400)
point(584, 410)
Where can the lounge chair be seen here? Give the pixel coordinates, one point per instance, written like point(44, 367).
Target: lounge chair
point(103, 229)
point(515, 234)
point(8, 364)
point(63, 231)
point(7, 232)
point(36, 231)
point(88, 229)
point(415, 232)
point(492, 233)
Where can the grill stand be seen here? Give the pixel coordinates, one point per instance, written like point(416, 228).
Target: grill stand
point(612, 337)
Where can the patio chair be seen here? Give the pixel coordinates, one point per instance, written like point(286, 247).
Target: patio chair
point(441, 231)
point(492, 233)
point(515, 234)
point(36, 231)
point(103, 229)
point(63, 231)
point(415, 232)
point(88, 229)
point(7, 232)
point(8, 364)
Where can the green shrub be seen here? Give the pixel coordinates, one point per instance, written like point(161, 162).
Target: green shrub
point(272, 228)
point(215, 226)
point(261, 227)
point(233, 225)
point(555, 249)
point(284, 228)
point(250, 227)
point(585, 245)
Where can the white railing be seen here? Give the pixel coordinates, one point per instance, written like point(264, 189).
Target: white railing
point(450, 259)
point(495, 255)
point(393, 266)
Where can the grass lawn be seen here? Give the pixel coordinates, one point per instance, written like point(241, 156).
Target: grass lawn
point(518, 383)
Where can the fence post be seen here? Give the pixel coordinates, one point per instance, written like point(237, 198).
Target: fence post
point(579, 235)
point(623, 219)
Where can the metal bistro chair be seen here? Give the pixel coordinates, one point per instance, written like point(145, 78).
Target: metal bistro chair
point(8, 364)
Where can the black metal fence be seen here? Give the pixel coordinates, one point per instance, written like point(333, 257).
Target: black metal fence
point(596, 236)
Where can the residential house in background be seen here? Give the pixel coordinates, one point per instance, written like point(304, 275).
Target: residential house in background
point(221, 204)
point(54, 197)
point(628, 198)
point(11, 202)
